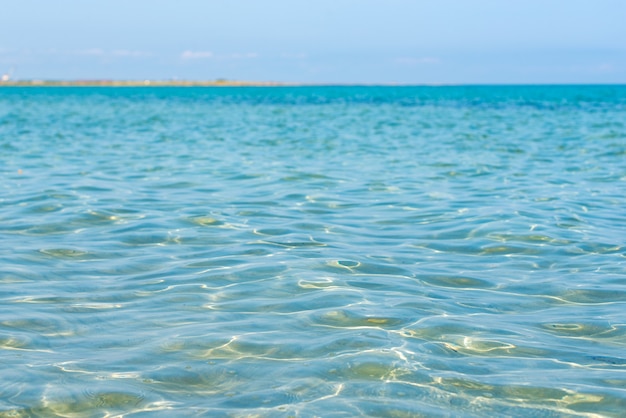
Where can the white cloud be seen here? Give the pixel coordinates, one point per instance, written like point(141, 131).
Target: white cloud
point(130, 53)
point(187, 55)
point(91, 51)
point(237, 55)
point(94, 52)
point(605, 68)
point(299, 56)
point(418, 61)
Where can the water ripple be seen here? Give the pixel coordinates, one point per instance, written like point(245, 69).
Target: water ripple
point(348, 251)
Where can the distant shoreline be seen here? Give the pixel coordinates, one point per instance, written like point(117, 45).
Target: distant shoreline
point(139, 83)
point(188, 83)
point(236, 83)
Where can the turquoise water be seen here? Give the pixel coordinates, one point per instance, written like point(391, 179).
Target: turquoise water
point(313, 251)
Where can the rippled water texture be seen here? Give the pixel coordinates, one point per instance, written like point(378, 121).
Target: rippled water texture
point(313, 251)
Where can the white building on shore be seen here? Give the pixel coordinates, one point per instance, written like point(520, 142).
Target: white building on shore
point(7, 76)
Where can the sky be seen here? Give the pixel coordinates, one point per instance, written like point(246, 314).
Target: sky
point(320, 41)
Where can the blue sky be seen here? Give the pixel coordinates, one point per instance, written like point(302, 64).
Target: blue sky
point(321, 41)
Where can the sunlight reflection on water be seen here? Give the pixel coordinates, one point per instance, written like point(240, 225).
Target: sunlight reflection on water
point(313, 251)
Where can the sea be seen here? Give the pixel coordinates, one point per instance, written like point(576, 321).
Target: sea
point(313, 251)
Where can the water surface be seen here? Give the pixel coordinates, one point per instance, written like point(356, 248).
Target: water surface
point(313, 251)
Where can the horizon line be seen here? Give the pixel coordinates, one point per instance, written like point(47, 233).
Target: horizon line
point(247, 83)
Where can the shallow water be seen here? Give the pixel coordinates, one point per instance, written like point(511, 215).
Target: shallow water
point(313, 251)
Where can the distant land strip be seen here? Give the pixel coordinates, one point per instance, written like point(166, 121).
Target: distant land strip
point(137, 83)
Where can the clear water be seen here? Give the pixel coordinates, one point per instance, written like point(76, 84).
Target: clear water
point(313, 251)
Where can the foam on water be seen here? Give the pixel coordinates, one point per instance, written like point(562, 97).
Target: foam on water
point(313, 251)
